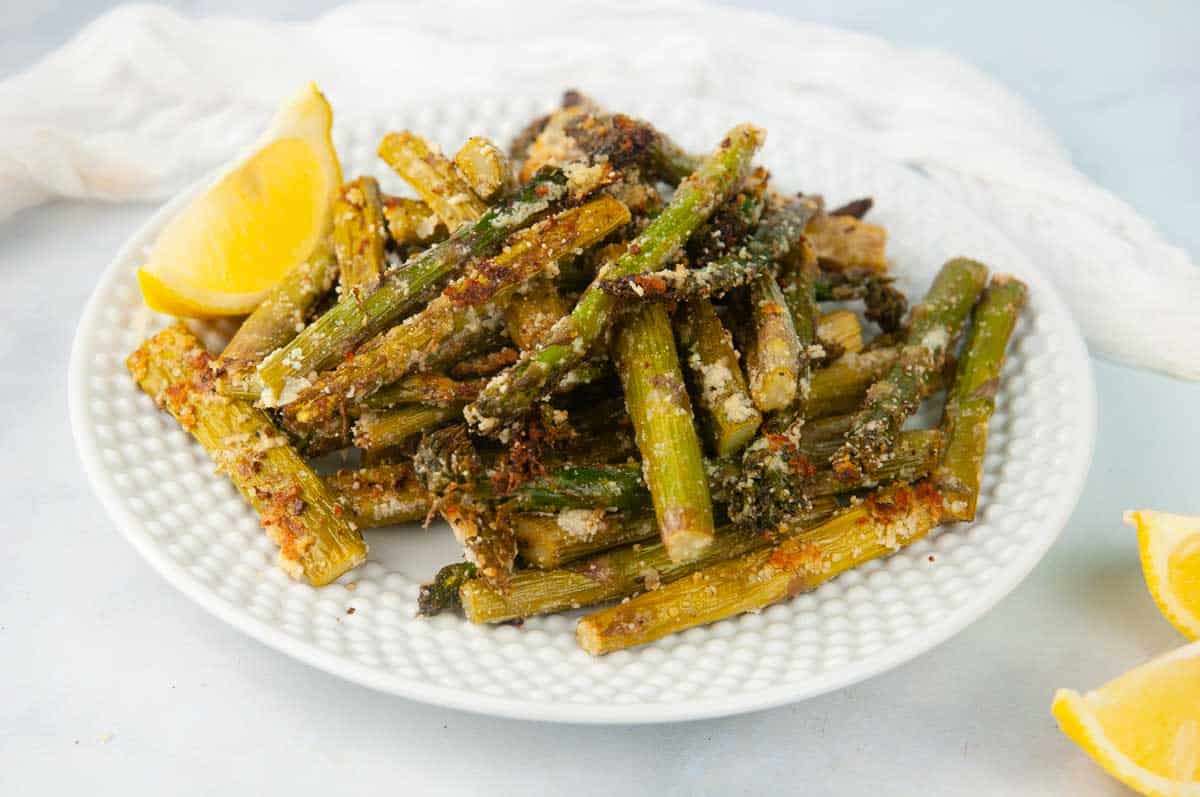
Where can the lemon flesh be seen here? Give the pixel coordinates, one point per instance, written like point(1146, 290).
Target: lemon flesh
point(1169, 546)
point(229, 246)
point(1143, 727)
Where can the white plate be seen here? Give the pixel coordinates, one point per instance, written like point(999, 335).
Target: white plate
point(191, 525)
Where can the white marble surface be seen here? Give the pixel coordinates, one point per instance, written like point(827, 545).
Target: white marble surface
point(112, 682)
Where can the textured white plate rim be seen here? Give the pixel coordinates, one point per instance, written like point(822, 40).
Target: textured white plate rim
point(886, 659)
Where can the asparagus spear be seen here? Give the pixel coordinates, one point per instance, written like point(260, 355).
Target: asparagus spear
point(454, 475)
point(510, 394)
point(644, 353)
point(840, 331)
point(773, 348)
point(485, 364)
point(799, 563)
point(382, 495)
point(433, 177)
point(355, 319)
point(608, 576)
point(442, 593)
point(936, 323)
point(972, 395)
point(730, 417)
point(484, 167)
point(780, 477)
point(411, 222)
point(455, 315)
point(529, 316)
point(359, 235)
point(317, 540)
point(774, 237)
point(386, 428)
point(548, 541)
point(841, 386)
point(277, 319)
point(424, 388)
point(796, 280)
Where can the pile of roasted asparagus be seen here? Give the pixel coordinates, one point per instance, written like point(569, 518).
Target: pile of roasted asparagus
point(606, 364)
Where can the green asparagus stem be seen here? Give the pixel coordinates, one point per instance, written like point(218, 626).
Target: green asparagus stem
point(453, 316)
point(384, 428)
point(780, 475)
point(425, 388)
point(609, 576)
point(360, 235)
point(549, 541)
point(383, 495)
point(486, 364)
point(841, 386)
point(972, 395)
point(484, 167)
point(509, 395)
point(657, 401)
point(773, 239)
point(730, 417)
point(585, 486)
point(355, 319)
point(800, 563)
point(531, 315)
point(796, 281)
point(936, 323)
point(411, 222)
point(317, 540)
point(277, 319)
point(433, 177)
point(773, 349)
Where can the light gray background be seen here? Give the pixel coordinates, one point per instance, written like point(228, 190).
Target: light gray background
point(111, 682)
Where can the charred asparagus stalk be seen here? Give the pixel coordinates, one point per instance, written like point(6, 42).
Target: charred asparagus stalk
point(509, 395)
point(936, 323)
point(382, 495)
point(972, 395)
point(730, 417)
point(613, 575)
point(779, 477)
point(354, 319)
point(458, 314)
point(441, 593)
point(317, 540)
point(433, 177)
point(455, 477)
point(658, 405)
point(360, 235)
point(800, 563)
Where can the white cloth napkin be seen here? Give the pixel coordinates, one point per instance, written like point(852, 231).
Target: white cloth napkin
point(144, 100)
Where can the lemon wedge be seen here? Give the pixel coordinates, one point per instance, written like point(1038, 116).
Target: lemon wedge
point(1143, 727)
point(1170, 549)
point(264, 214)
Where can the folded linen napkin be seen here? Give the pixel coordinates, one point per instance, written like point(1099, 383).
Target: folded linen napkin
point(144, 100)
